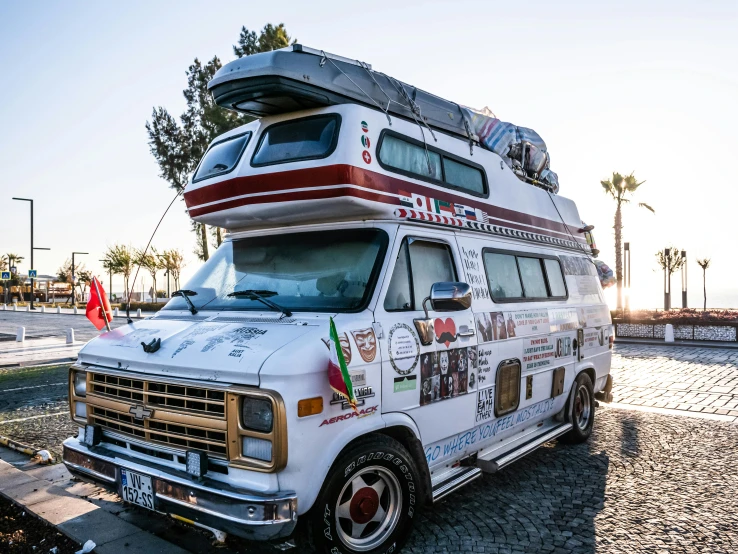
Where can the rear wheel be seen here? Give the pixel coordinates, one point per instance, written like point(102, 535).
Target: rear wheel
point(368, 501)
point(582, 410)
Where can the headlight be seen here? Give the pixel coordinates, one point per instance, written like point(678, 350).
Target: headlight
point(80, 383)
point(257, 415)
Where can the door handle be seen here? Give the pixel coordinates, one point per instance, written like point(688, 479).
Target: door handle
point(466, 331)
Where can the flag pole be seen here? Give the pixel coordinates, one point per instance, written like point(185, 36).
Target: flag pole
point(102, 305)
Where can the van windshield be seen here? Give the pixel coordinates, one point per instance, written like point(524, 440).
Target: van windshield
point(323, 271)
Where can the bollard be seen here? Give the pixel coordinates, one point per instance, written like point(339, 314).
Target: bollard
point(4, 307)
point(28, 308)
point(15, 307)
point(43, 309)
point(669, 333)
point(75, 310)
point(116, 312)
point(58, 309)
point(138, 313)
point(70, 336)
point(20, 336)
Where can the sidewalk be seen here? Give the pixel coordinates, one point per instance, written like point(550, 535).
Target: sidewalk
point(38, 351)
point(689, 343)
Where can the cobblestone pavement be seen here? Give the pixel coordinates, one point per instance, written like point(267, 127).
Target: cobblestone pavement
point(703, 380)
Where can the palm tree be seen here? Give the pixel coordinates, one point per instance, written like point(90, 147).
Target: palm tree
point(619, 188)
point(704, 263)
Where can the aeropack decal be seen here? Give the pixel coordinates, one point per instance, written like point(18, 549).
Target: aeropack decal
point(486, 431)
point(447, 374)
point(445, 331)
point(365, 412)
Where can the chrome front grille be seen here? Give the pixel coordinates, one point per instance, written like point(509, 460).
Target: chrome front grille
point(181, 416)
point(164, 395)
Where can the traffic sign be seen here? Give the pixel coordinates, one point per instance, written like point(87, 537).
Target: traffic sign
point(13, 269)
point(32, 274)
point(5, 276)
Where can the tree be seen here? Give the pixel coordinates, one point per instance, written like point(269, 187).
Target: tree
point(150, 262)
point(671, 262)
point(173, 262)
point(179, 146)
point(82, 276)
point(704, 263)
point(122, 261)
point(3, 263)
point(619, 188)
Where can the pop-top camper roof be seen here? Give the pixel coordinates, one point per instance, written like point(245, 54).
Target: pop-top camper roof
point(298, 78)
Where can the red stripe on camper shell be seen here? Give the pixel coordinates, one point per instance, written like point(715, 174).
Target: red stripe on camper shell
point(282, 182)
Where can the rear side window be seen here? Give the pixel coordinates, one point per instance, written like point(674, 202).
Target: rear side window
point(411, 158)
point(415, 159)
point(222, 157)
point(419, 264)
point(516, 277)
point(310, 138)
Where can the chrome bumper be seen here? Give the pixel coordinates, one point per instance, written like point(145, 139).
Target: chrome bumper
point(211, 503)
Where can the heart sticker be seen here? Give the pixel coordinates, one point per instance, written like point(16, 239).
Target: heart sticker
point(445, 331)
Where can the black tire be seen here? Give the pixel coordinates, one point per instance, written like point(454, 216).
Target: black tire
point(580, 410)
point(383, 521)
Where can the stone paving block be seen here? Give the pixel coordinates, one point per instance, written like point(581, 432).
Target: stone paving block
point(62, 508)
point(98, 525)
point(53, 474)
point(139, 543)
point(31, 492)
point(12, 477)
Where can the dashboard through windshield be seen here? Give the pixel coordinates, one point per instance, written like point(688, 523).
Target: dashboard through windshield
point(319, 271)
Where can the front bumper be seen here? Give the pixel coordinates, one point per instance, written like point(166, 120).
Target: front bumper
point(210, 503)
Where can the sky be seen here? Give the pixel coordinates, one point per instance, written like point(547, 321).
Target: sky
point(647, 86)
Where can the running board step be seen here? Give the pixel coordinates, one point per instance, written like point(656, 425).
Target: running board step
point(457, 478)
point(497, 463)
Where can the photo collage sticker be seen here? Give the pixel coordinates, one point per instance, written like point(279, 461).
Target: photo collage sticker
point(447, 374)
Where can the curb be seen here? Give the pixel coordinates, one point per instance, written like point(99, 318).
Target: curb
point(691, 344)
point(77, 518)
point(18, 446)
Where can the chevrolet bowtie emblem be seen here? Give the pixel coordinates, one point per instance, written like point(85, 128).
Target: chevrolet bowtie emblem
point(139, 412)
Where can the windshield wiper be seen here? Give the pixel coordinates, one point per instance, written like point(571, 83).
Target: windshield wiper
point(261, 296)
point(186, 295)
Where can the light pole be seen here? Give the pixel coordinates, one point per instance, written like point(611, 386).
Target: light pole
point(74, 296)
point(667, 279)
point(626, 275)
point(684, 278)
point(32, 248)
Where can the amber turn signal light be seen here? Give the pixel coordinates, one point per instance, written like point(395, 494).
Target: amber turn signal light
point(309, 406)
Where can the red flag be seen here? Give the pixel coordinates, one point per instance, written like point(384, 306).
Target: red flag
point(99, 302)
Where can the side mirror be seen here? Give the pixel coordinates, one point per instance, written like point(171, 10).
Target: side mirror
point(449, 297)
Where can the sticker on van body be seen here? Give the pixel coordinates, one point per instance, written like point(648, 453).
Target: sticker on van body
point(404, 348)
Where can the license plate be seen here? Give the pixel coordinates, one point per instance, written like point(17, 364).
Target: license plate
point(137, 489)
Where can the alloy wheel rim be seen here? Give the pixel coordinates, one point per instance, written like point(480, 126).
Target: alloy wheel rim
point(582, 407)
point(368, 508)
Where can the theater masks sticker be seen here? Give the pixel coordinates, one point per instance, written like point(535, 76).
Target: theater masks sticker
point(445, 331)
point(366, 342)
point(345, 346)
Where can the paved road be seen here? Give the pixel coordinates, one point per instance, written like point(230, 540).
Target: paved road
point(696, 380)
point(49, 325)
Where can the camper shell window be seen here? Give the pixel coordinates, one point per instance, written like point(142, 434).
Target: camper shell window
point(308, 138)
point(523, 276)
point(401, 154)
point(222, 157)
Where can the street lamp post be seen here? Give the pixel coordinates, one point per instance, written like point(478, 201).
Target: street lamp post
point(626, 275)
point(667, 280)
point(32, 247)
point(684, 278)
point(74, 296)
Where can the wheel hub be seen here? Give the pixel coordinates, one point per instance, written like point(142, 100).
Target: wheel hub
point(364, 505)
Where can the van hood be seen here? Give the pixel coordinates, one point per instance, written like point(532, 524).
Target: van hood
point(227, 349)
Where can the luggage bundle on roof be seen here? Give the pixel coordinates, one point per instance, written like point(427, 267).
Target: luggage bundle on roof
point(297, 78)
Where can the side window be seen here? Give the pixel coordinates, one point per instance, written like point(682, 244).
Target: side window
point(555, 277)
point(410, 157)
point(522, 276)
point(419, 264)
point(502, 275)
point(463, 176)
point(531, 273)
point(310, 138)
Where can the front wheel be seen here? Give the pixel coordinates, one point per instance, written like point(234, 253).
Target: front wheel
point(582, 410)
point(369, 499)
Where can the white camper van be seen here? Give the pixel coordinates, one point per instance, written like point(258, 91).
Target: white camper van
point(464, 295)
